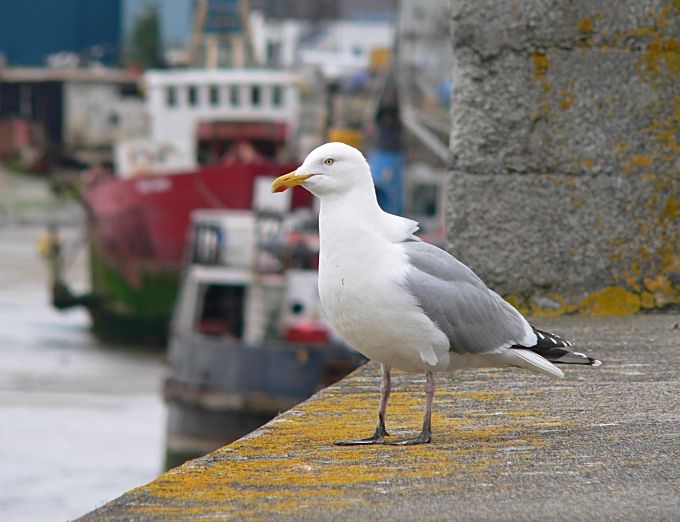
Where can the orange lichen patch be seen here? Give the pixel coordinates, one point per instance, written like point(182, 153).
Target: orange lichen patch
point(632, 283)
point(661, 289)
point(566, 99)
point(647, 31)
point(671, 210)
point(669, 254)
point(647, 300)
point(668, 139)
point(585, 25)
point(610, 301)
point(541, 65)
point(642, 161)
point(661, 55)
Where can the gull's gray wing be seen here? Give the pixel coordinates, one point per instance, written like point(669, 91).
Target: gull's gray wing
point(474, 318)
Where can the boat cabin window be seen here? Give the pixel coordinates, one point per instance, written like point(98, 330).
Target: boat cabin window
point(221, 311)
point(255, 95)
point(277, 96)
point(208, 244)
point(214, 95)
point(171, 96)
point(192, 95)
point(234, 95)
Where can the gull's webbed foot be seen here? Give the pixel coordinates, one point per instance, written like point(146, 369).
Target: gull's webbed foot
point(377, 438)
point(373, 439)
point(424, 438)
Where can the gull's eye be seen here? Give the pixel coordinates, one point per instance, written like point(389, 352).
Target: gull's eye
point(329, 161)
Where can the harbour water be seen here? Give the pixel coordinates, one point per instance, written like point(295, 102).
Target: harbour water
point(80, 422)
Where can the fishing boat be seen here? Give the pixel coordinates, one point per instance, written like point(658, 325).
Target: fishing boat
point(248, 338)
point(213, 133)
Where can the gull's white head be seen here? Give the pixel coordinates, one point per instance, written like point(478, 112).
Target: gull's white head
point(333, 168)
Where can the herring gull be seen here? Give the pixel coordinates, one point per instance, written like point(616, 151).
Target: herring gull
point(404, 302)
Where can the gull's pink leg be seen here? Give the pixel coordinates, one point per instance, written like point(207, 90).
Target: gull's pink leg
point(426, 433)
point(378, 436)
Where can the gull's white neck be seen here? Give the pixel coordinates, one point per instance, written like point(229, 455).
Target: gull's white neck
point(357, 211)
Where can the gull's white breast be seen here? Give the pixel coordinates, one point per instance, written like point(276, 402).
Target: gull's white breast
point(361, 290)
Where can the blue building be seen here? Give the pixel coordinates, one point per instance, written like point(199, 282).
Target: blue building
point(30, 31)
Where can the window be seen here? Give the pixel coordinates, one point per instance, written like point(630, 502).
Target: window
point(277, 96)
point(192, 95)
point(221, 312)
point(208, 244)
point(234, 95)
point(255, 95)
point(214, 95)
point(171, 96)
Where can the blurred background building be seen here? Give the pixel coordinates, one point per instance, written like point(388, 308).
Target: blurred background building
point(67, 32)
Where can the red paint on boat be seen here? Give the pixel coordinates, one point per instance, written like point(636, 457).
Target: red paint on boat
point(147, 217)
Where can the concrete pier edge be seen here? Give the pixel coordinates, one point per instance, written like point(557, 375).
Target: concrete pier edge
point(508, 445)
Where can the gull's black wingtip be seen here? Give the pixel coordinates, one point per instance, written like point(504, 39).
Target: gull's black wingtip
point(558, 350)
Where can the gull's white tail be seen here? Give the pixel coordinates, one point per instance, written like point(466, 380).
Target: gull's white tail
point(530, 361)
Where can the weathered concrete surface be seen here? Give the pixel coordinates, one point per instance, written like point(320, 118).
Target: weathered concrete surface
point(602, 444)
point(565, 149)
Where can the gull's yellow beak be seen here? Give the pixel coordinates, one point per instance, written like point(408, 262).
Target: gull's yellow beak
point(288, 181)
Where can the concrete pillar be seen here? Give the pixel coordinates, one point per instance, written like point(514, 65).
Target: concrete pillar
point(565, 177)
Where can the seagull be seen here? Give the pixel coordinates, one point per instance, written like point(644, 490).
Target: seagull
point(402, 301)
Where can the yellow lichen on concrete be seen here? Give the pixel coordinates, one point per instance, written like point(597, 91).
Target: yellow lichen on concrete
point(661, 289)
point(566, 99)
point(671, 210)
point(661, 54)
point(585, 25)
point(615, 300)
point(668, 138)
point(519, 303)
point(610, 301)
point(294, 457)
point(640, 160)
point(541, 64)
point(647, 300)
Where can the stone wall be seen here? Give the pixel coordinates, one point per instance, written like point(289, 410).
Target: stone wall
point(564, 192)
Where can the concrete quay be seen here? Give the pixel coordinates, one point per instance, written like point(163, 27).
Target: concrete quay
point(601, 444)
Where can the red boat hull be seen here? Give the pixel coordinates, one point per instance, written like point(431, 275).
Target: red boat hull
point(138, 229)
point(147, 218)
